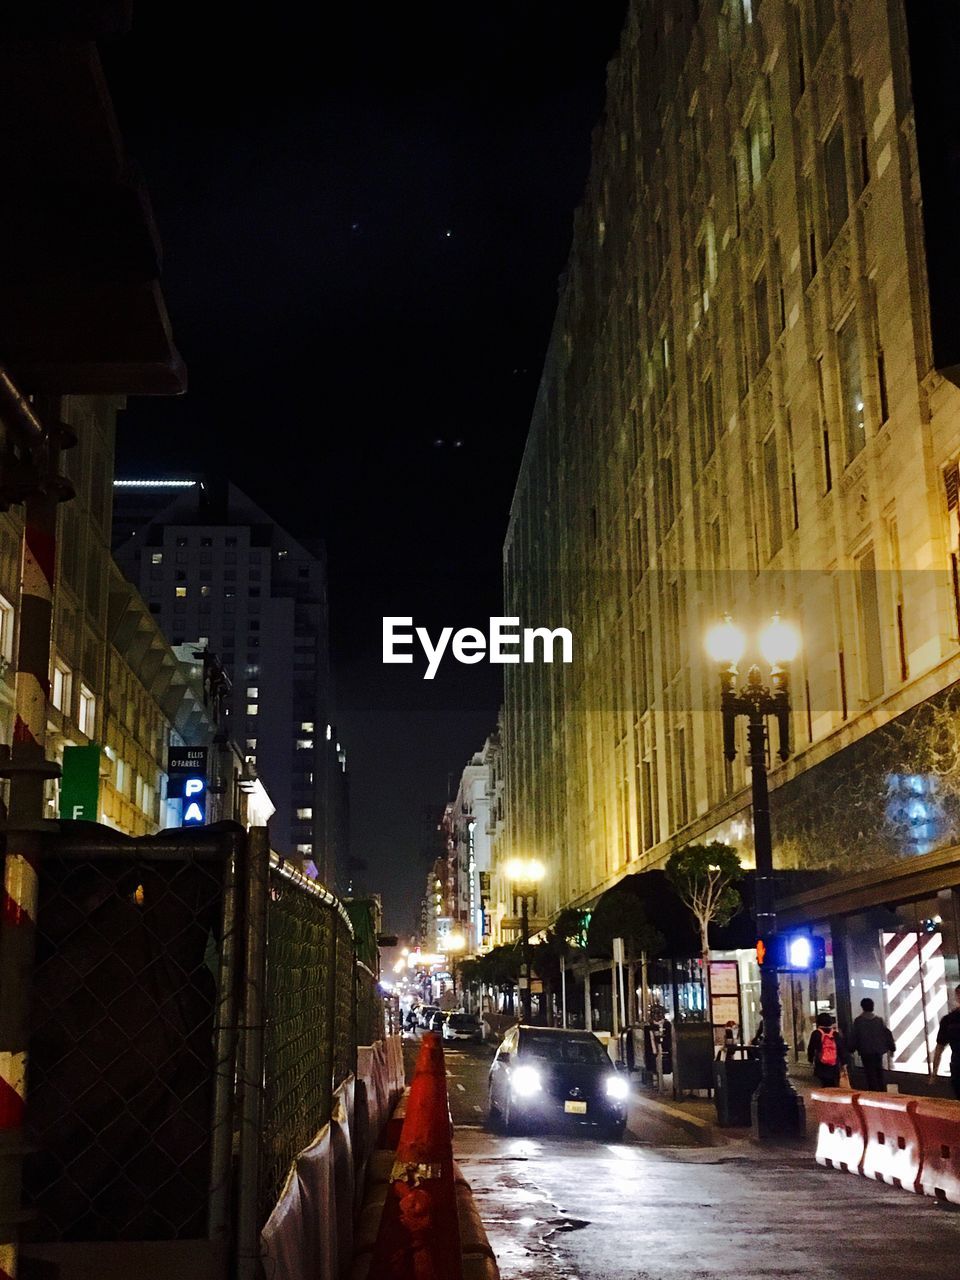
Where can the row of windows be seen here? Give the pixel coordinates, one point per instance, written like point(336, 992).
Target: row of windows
point(61, 695)
point(129, 784)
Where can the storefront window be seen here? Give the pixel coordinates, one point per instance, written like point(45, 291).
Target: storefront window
point(906, 959)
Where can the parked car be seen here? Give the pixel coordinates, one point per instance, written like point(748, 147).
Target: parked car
point(463, 1026)
point(544, 1073)
point(426, 1014)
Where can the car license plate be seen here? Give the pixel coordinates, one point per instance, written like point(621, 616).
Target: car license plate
point(577, 1108)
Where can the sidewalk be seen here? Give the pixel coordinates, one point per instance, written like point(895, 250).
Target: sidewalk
point(697, 1115)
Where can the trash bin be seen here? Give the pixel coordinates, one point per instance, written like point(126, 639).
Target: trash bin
point(736, 1075)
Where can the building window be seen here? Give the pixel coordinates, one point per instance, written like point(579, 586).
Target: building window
point(60, 687)
point(87, 717)
point(156, 557)
point(206, 542)
point(851, 387)
point(305, 850)
point(761, 311)
point(667, 503)
point(682, 796)
point(835, 178)
point(306, 726)
point(180, 592)
point(253, 691)
point(252, 708)
point(709, 417)
point(304, 744)
point(868, 600)
point(304, 814)
point(771, 478)
point(204, 591)
point(760, 147)
point(7, 618)
point(183, 542)
point(841, 652)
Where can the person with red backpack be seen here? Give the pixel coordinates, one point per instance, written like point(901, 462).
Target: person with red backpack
point(827, 1051)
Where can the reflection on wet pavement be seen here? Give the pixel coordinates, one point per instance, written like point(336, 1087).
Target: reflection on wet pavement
point(561, 1206)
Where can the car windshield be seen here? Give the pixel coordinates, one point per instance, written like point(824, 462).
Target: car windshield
point(579, 1049)
point(464, 1020)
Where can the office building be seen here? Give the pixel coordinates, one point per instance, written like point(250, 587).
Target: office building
point(750, 404)
point(219, 574)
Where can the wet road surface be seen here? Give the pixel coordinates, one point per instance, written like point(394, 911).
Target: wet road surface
point(658, 1207)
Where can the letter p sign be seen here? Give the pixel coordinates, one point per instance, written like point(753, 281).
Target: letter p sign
point(194, 802)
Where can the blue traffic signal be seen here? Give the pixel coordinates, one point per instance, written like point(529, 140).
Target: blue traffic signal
point(792, 952)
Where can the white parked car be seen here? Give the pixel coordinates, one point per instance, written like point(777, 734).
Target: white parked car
point(463, 1026)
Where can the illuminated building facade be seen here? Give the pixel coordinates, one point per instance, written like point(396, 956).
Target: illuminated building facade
point(749, 404)
point(469, 824)
point(218, 573)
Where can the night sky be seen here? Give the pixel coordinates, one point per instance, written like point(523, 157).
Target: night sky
point(364, 211)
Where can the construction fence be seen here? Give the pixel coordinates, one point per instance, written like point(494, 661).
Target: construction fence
point(197, 1005)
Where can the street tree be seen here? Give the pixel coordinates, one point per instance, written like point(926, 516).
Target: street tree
point(621, 914)
point(704, 876)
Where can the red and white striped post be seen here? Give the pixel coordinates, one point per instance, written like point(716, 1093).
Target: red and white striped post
point(28, 770)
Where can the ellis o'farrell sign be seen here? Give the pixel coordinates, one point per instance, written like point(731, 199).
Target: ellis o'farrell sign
point(504, 642)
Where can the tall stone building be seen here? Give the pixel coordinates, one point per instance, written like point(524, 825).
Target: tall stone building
point(749, 404)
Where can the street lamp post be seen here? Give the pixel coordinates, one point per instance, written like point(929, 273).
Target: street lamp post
point(525, 874)
point(778, 1110)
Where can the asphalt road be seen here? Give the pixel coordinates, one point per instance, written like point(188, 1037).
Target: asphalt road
point(659, 1207)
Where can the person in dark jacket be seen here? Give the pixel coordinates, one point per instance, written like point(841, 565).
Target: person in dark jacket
point(827, 1051)
point(872, 1038)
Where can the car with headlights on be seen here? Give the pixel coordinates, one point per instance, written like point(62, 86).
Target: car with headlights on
point(541, 1074)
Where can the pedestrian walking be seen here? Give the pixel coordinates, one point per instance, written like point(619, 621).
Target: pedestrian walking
point(827, 1051)
point(948, 1037)
point(872, 1038)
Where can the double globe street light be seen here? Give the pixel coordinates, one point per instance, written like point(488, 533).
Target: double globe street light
point(524, 875)
point(777, 1107)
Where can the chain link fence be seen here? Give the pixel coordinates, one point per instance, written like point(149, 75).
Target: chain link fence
point(370, 1007)
point(196, 1004)
point(122, 1104)
point(309, 1046)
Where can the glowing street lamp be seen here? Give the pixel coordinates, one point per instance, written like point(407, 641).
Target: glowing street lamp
point(524, 875)
point(777, 1107)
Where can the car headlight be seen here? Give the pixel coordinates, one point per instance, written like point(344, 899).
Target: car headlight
point(525, 1082)
point(617, 1087)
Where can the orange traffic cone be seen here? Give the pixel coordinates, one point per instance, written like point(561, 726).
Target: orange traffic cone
point(419, 1236)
